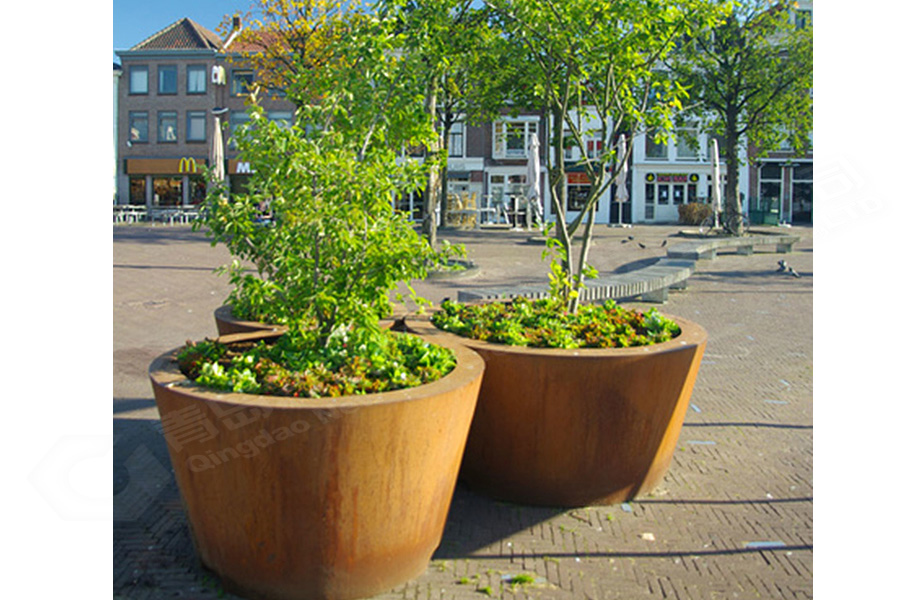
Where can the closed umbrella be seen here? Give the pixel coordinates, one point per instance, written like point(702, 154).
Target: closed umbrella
point(716, 177)
point(622, 177)
point(217, 154)
point(533, 180)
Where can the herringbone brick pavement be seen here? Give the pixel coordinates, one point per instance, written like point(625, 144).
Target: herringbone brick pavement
point(732, 519)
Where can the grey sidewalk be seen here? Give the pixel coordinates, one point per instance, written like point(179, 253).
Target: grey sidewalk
point(733, 518)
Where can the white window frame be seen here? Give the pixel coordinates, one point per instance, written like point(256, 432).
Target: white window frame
point(683, 150)
point(133, 81)
point(160, 70)
point(199, 81)
point(500, 132)
point(190, 134)
point(457, 132)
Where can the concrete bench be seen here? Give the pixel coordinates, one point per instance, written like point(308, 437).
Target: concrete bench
point(706, 248)
point(650, 284)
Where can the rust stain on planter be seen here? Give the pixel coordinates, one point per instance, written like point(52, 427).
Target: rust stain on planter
point(317, 498)
point(577, 427)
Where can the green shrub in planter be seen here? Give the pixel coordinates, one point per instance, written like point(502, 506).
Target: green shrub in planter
point(325, 265)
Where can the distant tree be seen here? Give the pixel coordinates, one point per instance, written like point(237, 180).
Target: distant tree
point(342, 65)
point(750, 81)
point(457, 53)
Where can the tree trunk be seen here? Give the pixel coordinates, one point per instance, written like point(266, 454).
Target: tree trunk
point(429, 221)
point(732, 168)
point(447, 123)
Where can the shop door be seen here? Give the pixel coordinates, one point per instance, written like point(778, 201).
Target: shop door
point(802, 194)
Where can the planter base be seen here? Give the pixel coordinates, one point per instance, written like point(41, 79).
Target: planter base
point(317, 498)
point(578, 427)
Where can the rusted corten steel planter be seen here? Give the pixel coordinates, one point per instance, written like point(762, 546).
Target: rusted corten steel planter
point(577, 427)
point(227, 323)
point(317, 498)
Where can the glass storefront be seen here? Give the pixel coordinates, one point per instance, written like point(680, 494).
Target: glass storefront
point(802, 193)
point(167, 191)
point(197, 190)
point(137, 190)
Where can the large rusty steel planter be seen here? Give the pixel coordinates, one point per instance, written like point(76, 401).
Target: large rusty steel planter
point(577, 427)
point(227, 323)
point(316, 498)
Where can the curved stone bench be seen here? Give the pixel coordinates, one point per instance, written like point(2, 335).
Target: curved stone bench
point(706, 248)
point(651, 284)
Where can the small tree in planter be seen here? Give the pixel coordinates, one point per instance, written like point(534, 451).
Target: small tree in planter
point(342, 493)
point(583, 405)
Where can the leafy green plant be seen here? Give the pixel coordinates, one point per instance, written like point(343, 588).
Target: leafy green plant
point(353, 361)
point(328, 263)
point(543, 323)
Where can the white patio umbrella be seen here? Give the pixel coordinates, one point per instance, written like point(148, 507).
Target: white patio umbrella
point(217, 153)
point(716, 178)
point(533, 180)
point(622, 177)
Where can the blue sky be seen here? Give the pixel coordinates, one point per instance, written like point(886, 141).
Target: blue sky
point(136, 20)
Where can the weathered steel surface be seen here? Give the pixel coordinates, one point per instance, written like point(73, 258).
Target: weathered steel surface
point(578, 427)
point(317, 498)
point(227, 323)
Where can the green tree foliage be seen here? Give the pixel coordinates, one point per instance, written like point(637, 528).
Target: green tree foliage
point(336, 249)
point(459, 58)
point(750, 81)
point(597, 68)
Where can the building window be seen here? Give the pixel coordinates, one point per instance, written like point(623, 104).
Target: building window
point(138, 127)
point(166, 191)
point(456, 141)
point(168, 79)
point(138, 80)
point(137, 190)
point(168, 127)
point(283, 118)
point(654, 150)
point(511, 138)
point(241, 83)
point(238, 119)
point(197, 189)
point(686, 148)
point(196, 126)
point(196, 79)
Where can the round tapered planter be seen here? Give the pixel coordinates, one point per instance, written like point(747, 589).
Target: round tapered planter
point(227, 323)
point(332, 498)
point(577, 427)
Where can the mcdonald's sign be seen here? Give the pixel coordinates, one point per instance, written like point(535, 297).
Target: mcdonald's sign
point(163, 166)
point(187, 164)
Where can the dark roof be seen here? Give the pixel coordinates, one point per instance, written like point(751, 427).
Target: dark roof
point(182, 35)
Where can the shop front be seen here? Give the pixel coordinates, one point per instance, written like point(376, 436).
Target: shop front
point(784, 189)
point(662, 192)
point(165, 182)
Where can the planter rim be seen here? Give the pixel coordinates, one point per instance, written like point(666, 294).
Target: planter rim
point(691, 334)
point(224, 313)
point(164, 371)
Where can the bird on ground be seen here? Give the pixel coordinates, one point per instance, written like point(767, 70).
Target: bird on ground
point(664, 242)
point(782, 266)
point(641, 245)
point(791, 271)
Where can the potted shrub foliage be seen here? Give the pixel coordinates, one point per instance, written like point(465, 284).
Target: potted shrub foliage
point(579, 404)
point(319, 460)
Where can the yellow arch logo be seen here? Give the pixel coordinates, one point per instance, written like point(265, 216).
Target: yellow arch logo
point(187, 165)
